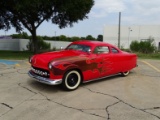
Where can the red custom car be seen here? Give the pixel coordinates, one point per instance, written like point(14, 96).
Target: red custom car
point(81, 61)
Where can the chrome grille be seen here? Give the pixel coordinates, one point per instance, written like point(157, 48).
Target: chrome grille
point(40, 72)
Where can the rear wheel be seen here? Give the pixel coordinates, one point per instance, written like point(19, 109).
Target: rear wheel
point(71, 80)
point(125, 73)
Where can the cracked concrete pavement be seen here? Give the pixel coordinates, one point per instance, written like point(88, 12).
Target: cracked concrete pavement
point(135, 97)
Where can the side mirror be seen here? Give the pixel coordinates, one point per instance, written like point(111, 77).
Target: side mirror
point(89, 51)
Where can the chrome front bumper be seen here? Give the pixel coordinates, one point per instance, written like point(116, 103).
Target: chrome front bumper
point(44, 80)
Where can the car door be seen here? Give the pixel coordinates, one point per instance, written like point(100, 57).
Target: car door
point(104, 60)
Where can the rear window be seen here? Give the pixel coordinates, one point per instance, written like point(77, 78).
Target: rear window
point(101, 49)
point(114, 50)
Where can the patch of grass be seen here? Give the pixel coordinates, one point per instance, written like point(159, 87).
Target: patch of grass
point(15, 55)
point(21, 55)
point(149, 56)
point(140, 55)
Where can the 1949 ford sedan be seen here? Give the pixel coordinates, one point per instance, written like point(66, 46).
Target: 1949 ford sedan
point(82, 61)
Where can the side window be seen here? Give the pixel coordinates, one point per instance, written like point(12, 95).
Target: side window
point(114, 50)
point(101, 49)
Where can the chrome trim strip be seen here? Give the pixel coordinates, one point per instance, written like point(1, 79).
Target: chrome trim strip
point(44, 80)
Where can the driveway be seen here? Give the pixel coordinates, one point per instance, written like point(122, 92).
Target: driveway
point(135, 97)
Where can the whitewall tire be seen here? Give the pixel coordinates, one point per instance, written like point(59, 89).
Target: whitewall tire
point(71, 80)
point(125, 73)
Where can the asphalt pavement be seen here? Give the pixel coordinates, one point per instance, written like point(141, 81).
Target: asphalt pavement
point(135, 97)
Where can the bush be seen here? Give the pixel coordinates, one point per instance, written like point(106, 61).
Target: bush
point(134, 46)
point(149, 56)
point(146, 46)
point(41, 45)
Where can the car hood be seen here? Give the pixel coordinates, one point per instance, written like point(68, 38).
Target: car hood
point(42, 60)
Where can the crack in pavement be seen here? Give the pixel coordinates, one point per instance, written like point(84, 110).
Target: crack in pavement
point(154, 108)
point(7, 105)
point(20, 72)
point(61, 104)
point(10, 72)
point(108, 108)
point(143, 110)
point(19, 84)
point(13, 70)
point(81, 110)
point(11, 108)
point(3, 74)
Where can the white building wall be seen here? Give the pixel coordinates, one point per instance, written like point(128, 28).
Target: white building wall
point(21, 44)
point(130, 33)
point(58, 44)
point(9, 44)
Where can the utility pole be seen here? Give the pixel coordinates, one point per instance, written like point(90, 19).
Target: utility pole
point(55, 35)
point(119, 30)
point(129, 30)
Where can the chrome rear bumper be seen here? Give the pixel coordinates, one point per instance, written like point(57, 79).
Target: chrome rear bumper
point(44, 80)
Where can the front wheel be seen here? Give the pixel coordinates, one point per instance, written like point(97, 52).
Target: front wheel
point(125, 73)
point(71, 80)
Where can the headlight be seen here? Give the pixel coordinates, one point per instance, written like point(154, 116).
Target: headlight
point(30, 59)
point(50, 66)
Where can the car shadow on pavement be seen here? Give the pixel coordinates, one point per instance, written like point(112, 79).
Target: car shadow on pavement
point(58, 88)
point(110, 78)
point(43, 87)
point(101, 80)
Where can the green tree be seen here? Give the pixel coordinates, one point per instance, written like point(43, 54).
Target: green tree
point(30, 14)
point(74, 38)
point(82, 38)
point(22, 35)
point(89, 37)
point(46, 37)
point(100, 37)
point(62, 38)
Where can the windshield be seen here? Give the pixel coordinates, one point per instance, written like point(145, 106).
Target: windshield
point(83, 48)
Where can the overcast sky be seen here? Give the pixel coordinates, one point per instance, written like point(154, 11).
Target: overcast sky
point(105, 12)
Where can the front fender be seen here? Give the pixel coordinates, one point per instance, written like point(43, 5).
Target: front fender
point(61, 67)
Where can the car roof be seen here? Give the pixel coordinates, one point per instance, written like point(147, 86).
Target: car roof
point(91, 43)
